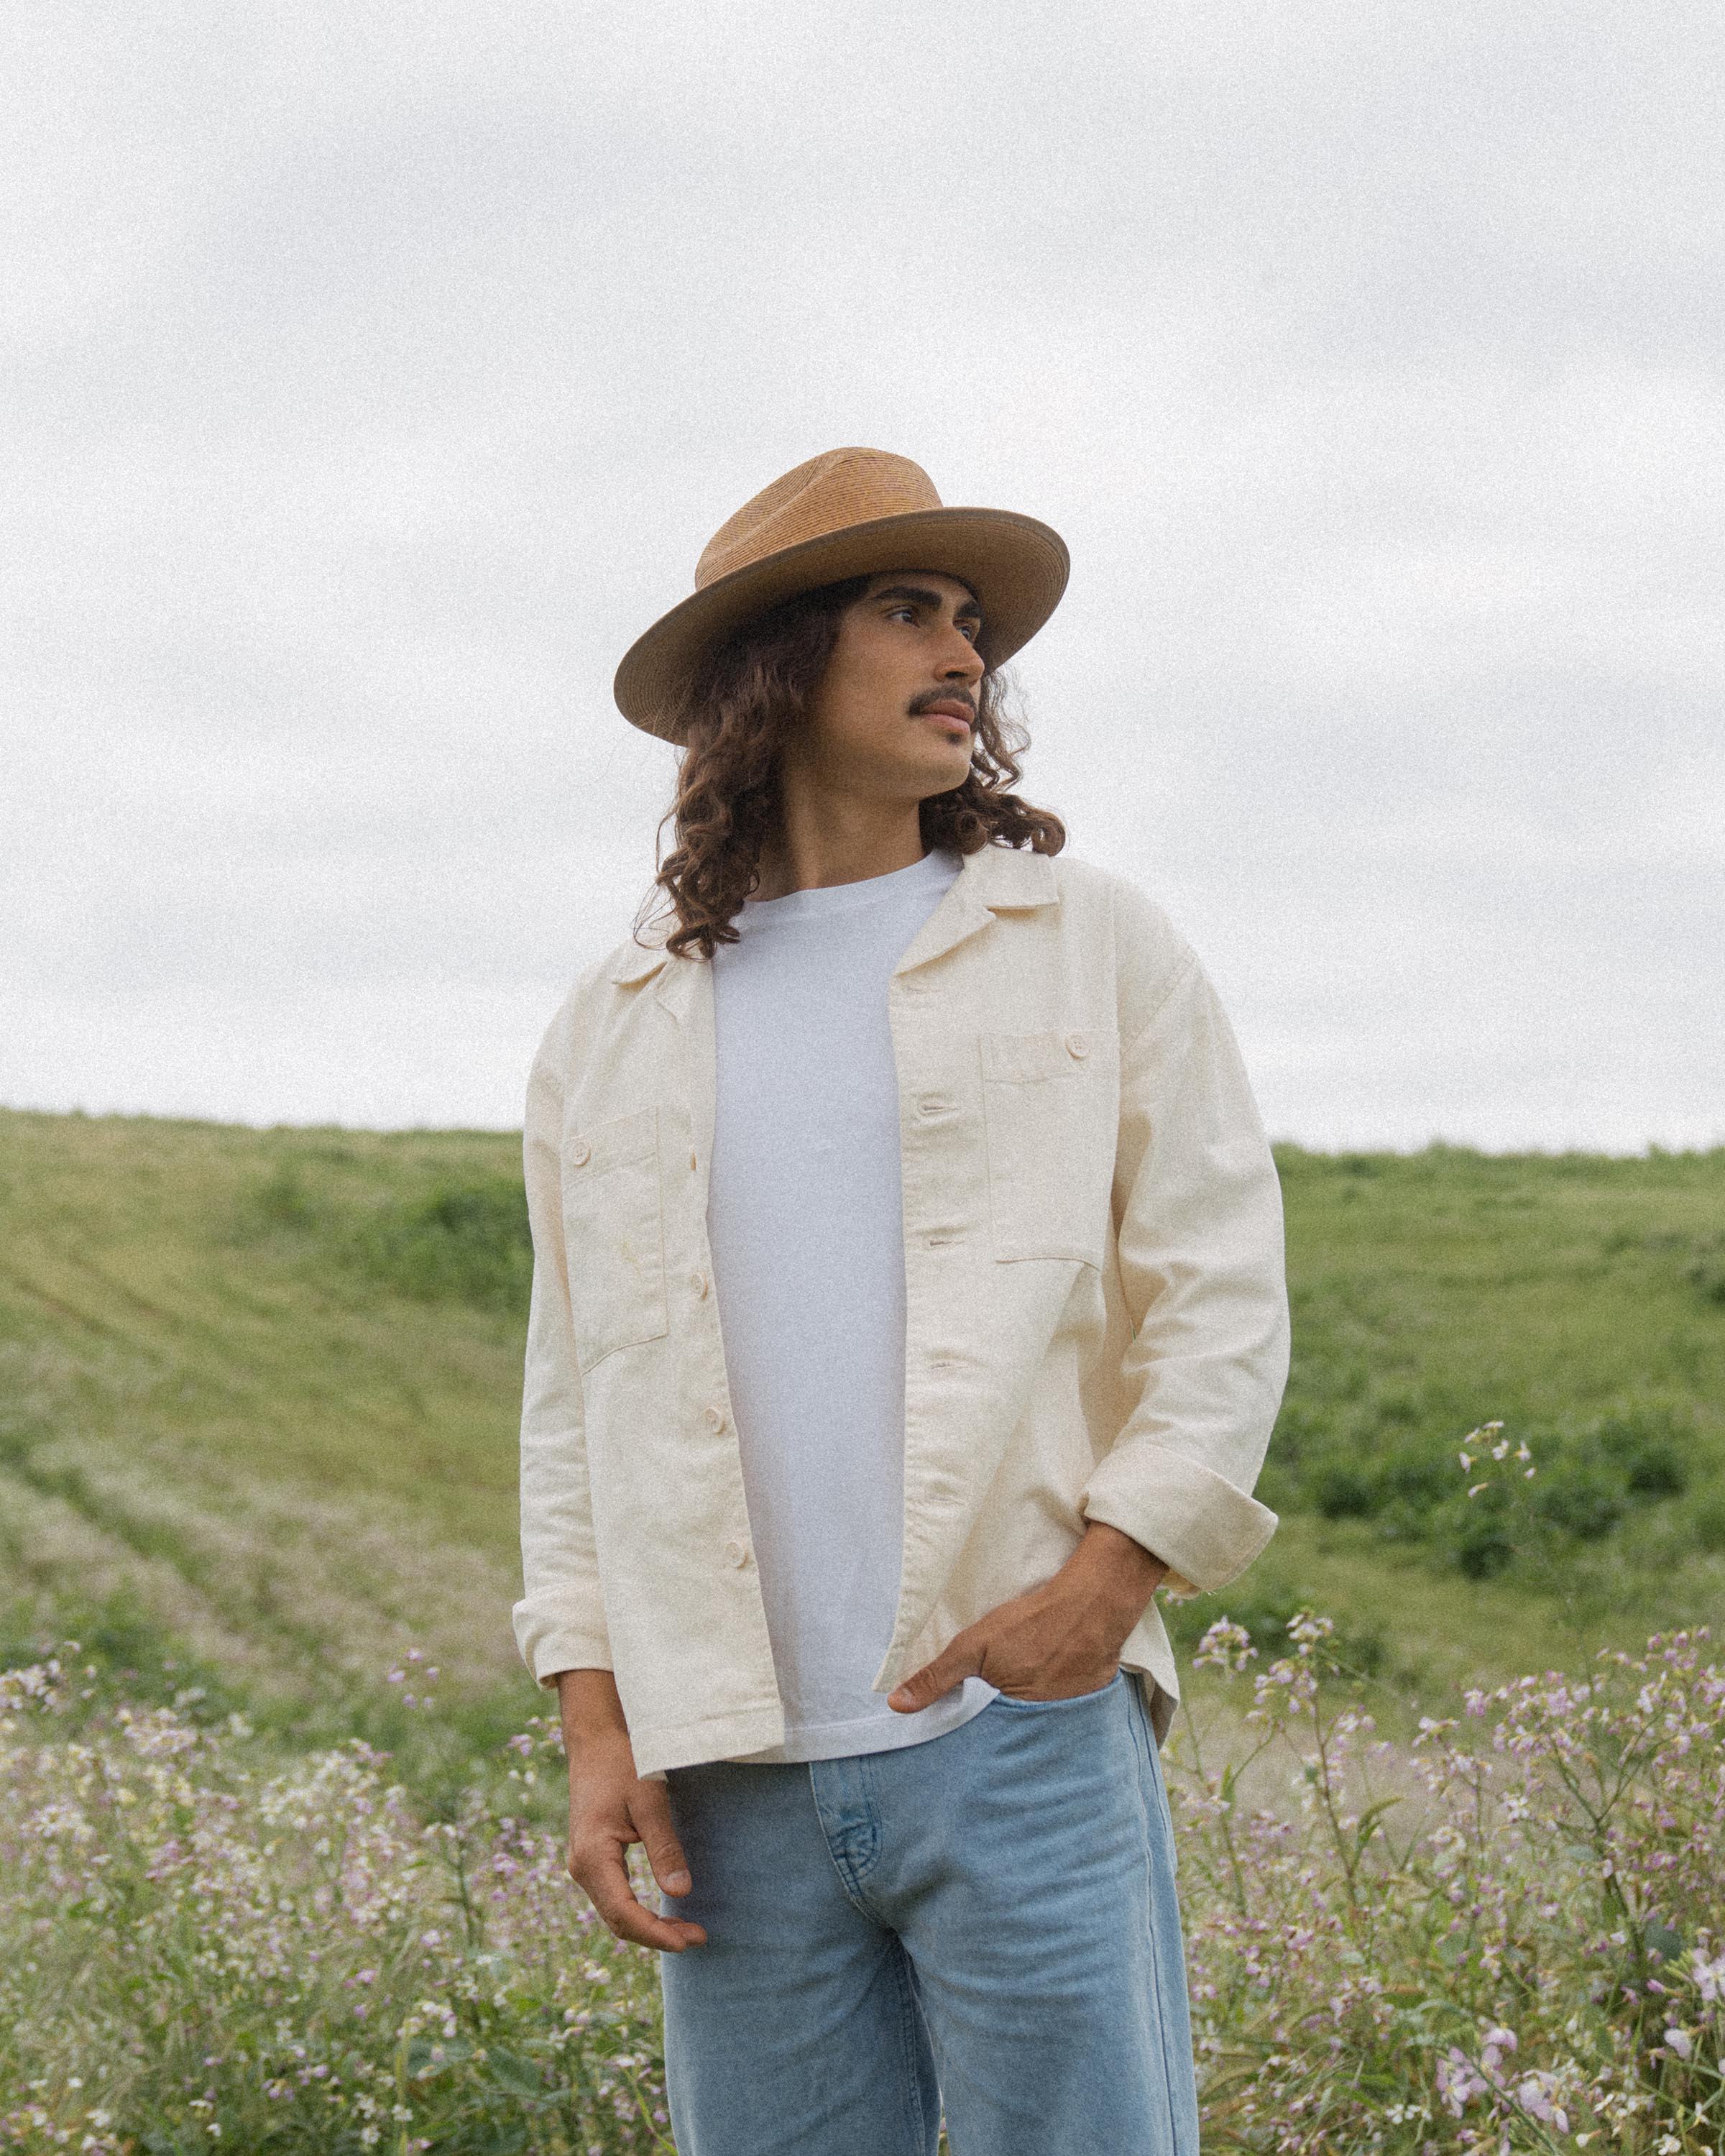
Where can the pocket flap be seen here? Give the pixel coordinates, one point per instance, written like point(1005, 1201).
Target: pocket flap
point(596, 1146)
point(1018, 1058)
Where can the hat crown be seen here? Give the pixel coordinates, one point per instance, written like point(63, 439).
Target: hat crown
point(828, 494)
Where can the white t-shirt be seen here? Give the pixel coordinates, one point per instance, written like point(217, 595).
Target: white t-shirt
point(804, 1217)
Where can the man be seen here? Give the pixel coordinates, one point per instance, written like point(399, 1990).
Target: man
point(908, 1305)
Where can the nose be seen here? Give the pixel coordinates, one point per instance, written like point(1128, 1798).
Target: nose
point(961, 661)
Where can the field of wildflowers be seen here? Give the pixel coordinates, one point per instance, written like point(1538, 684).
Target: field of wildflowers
point(204, 1946)
point(1535, 1961)
point(257, 1400)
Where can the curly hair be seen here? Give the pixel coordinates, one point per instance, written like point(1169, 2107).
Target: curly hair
point(735, 716)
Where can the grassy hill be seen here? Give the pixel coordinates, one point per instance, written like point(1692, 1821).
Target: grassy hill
point(258, 1396)
point(1577, 1299)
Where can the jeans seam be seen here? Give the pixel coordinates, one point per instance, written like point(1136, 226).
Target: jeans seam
point(1139, 1739)
point(910, 2016)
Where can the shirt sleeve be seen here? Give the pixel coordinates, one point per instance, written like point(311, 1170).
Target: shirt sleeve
point(1200, 1226)
point(560, 1620)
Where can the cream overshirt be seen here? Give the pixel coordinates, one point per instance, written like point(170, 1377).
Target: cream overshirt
point(1097, 1317)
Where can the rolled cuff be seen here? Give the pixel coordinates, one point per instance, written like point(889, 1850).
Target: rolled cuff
point(551, 1640)
point(1204, 1530)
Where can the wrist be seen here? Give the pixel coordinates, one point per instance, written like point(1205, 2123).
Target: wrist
point(589, 1709)
point(1117, 1576)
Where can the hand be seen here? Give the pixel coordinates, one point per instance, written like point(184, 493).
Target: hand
point(1061, 1639)
point(611, 1807)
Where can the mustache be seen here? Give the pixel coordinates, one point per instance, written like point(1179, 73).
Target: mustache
point(931, 697)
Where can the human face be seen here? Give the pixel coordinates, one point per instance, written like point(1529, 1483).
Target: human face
point(894, 714)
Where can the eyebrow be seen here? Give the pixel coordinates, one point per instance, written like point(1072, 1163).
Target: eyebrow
point(919, 595)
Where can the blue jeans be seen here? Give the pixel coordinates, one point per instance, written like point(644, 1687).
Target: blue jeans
point(986, 1921)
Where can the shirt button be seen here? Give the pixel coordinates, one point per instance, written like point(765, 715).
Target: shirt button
point(698, 1283)
point(714, 1417)
point(1077, 1045)
point(736, 1553)
point(580, 1154)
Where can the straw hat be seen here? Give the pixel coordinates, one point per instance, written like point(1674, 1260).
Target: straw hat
point(849, 513)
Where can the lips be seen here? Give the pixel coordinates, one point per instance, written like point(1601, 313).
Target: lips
point(949, 708)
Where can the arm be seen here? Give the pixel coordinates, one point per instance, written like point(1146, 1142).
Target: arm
point(560, 1620)
point(1199, 1244)
point(1061, 1639)
point(611, 1806)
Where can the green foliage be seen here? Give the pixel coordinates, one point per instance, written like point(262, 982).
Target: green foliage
point(1591, 1480)
point(459, 1240)
point(259, 1398)
point(467, 1241)
point(1560, 1294)
point(1268, 1609)
point(265, 1384)
point(1704, 1271)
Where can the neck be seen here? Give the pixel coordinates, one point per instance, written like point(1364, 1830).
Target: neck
point(824, 839)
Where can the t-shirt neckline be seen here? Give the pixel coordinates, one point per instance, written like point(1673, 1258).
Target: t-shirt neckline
point(938, 866)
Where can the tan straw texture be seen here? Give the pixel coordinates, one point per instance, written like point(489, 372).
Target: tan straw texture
point(848, 513)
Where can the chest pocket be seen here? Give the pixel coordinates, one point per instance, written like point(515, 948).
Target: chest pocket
point(614, 1229)
point(1049, 1108)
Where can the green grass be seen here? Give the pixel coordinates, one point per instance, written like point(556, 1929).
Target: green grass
point(257, 1421)
point(258, 1392)
point(1577, 1299)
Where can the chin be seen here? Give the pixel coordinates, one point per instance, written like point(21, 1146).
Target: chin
point(940, 789)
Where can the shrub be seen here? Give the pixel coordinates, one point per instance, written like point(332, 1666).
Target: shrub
point(1706, 1270)
point(1593, 1478)
point(1580, 1497)
point(466, 1241)
point(462, 1239)
point(1344, 1493)
point(1708, 1523)
point(1482, 1545)
point(1647, 1451)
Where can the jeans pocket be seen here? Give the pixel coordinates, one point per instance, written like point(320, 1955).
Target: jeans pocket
point(1054, 1706)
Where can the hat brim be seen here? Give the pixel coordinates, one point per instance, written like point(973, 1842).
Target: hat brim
point(1016, 566)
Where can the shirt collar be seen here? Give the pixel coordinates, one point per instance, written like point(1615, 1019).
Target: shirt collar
point(994, 879)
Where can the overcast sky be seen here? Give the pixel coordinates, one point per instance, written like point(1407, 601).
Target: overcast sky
point(376, 374)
